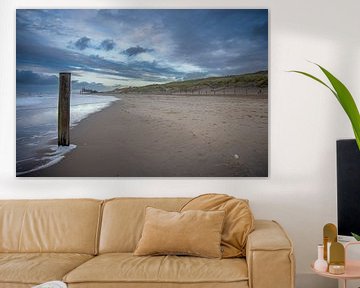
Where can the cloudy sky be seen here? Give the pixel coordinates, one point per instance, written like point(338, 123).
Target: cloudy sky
point(117, 48)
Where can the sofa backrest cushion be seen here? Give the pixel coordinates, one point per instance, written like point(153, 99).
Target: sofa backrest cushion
point(123, 220)
point(64, 226)
point(239, 220)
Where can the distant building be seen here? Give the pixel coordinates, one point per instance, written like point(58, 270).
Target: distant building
point(87, 91)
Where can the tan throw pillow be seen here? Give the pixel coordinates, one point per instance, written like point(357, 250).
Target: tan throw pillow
point(196, 233)
point(239, 220)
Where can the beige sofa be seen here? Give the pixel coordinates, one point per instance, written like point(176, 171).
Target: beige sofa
point(89, 243)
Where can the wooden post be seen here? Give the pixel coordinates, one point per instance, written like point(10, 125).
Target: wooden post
point(64, 109)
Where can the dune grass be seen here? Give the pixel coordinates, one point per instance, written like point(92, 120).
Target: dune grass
point(250, 80)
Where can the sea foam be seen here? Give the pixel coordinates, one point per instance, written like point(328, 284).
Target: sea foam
point(36, 127)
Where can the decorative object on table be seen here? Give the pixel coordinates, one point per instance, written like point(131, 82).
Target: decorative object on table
point(349, 271)
point(336, 269)
point(320, 264)
point(337, 258)
point(344, 97)
point(51, 284)
point(329, 236)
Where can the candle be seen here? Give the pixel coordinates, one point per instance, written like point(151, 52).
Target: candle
point(336, 269)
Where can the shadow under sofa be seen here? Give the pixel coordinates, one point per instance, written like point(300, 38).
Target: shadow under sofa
point(90, 243)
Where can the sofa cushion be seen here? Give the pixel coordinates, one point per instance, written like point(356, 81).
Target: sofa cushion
point(193, 232)
point(239, 220)
point(126, 268)
point(123, 220)
point(36, 268)
point(63, 226)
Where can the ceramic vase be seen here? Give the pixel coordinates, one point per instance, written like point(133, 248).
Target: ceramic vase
point(320, 264)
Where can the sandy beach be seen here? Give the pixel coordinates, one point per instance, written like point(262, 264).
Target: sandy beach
point(169, 135)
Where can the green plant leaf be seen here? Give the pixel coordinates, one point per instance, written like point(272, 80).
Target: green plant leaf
point(347, 102)
point(356, 236)
point(344, 97)
point(316, 79)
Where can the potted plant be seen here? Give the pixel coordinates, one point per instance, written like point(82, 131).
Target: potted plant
point(347, 102)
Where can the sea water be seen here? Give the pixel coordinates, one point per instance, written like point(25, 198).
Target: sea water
point(36, 127)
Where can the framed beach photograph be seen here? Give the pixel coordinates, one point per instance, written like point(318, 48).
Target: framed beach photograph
point(142, 93)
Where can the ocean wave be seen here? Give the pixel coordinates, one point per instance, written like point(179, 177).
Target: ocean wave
point(36, 128)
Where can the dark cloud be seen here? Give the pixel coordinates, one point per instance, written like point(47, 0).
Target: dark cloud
point(218, 41)
point(133, 51)
point(29, 80)
point(199, 34)
point(261, 30)
point(107, 45)
point(56, 60)
point(28, 77)
point(82, 43)
point(43, 21)
point(196, 35)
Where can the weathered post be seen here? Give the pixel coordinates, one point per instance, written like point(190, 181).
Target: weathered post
point(64, 109)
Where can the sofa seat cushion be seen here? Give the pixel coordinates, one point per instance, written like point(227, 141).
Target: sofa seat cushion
point(125, 267)
point(36, 268)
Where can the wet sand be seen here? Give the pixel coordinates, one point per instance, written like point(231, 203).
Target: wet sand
point(168, 135)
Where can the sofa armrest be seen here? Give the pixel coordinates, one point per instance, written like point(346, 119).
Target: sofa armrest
point(269, 256)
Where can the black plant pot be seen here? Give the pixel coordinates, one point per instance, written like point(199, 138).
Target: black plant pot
point(348, 187)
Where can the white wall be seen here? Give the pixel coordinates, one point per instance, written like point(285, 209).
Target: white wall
point(305, 120)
